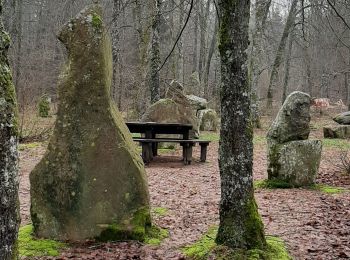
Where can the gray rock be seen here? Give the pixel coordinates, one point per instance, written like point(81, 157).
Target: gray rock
point(197, 103)
point(208, 119)
point(341, 132)
point(295, 162)
point(293, 119)
point(343, 118)
point(292, 158)
point(91, 182)
point(171, 111)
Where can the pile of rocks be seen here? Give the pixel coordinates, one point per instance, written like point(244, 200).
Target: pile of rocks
point(342, 130)
point(177, 107)
point(292, 158)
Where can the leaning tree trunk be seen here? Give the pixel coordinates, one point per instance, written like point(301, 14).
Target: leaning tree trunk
point(9, 203)
point(155, 54)
point(240, 223)
point(261, 11)
point(279, 54)
point(287, 61)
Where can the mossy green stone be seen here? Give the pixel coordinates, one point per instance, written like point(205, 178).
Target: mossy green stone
point(91, 178)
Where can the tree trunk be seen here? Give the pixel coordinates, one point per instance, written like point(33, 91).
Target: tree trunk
point(287, 61)
point(195, 35)
point(347, 85)
point(9, 203)
point(180, 57)
point(115, 51)
point(261, 11)
point(240, 223)
point(210, 56)
point(279, 54)
point(155, 54)
point(204, 13)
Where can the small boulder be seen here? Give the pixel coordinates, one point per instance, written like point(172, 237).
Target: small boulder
point(197, 103)
point(340, 131)
point(208, 119)
point(343, 118)
point(295, 162)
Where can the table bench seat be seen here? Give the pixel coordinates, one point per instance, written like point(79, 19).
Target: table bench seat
point(150, 146)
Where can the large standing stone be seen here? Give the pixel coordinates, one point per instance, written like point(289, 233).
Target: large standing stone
point(340, 131)
point(343, 118)
point(91, 181)
point(293, 119)
point(296, 162)
point(292, 158)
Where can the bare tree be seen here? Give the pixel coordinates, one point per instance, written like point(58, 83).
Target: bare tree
point(240, 223)
point(9, 202)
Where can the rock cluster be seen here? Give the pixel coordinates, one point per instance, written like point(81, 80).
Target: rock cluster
point(291, 157)
point(341, 131)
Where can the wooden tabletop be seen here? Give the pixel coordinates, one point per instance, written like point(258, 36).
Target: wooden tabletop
point(158, 128)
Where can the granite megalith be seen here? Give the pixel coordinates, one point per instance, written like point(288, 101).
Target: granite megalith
point(91, 182)
point(292, 158)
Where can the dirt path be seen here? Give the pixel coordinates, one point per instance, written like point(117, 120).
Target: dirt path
point(313, 224)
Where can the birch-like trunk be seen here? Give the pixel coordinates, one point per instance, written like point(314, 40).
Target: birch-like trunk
point(279, 55)
point(155, 54)
point(9, 203)
point(262, 8)
point(287, 61)
point(240, 223)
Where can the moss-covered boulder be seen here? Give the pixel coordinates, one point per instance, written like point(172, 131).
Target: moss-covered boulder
point(208, 119)
point(296, 162)
point(291, 157)
point(340, 131)
point(197, 103)
point(293, 120)
point(174, 109)
point(343, 118)
point(91, 182)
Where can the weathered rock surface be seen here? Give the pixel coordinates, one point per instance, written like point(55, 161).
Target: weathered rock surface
point(169, 111)
point(341, 132)
point(197, 103)
point(208, 119)
point(296, 162)
point(293, 119)
point(292, 158)
point(91, 181)
point(343, 118)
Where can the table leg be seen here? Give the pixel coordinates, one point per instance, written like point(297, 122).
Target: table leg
point(146, 153)
point(154, 146)
point(188, 153)
point(204, 148)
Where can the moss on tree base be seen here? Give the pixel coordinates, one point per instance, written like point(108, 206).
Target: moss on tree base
point(206, 248)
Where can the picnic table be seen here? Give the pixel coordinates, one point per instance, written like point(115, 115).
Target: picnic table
point(150, 141)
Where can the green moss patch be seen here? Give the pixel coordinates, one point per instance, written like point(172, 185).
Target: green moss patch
point(336, 144)
point(159, 211)
point(210, 136)
point(272, 184)
point(259, 139)
point(329, 189)
point(28, 146)
point(155, 235)
point(202, 248)
point(206, 248)
point(32, 247)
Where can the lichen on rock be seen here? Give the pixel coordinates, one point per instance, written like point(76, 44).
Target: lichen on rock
point(79, 188)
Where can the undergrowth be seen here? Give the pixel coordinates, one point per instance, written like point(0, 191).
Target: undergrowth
point(206, 248)
point(32, 247)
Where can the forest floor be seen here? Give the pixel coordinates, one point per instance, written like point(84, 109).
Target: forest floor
point(314, 223)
